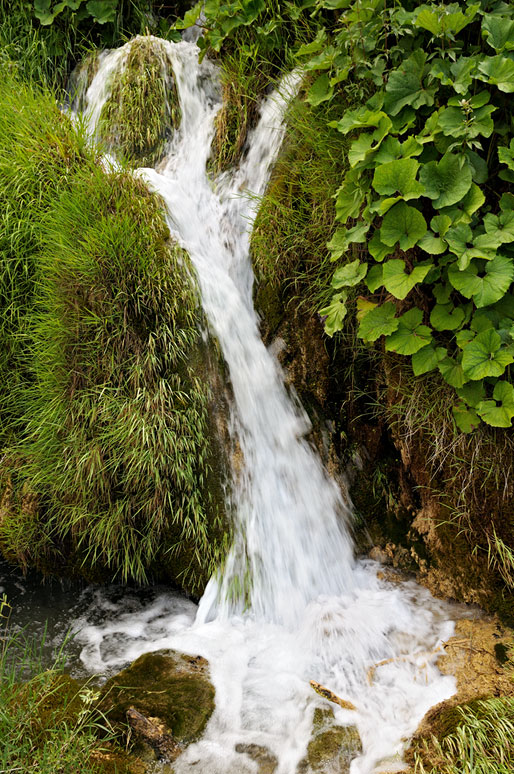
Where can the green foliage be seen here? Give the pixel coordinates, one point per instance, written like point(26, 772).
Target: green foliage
point(104, 415)
point(142, 108)
point(49, 722)
point(481, 743)
point(429, 160)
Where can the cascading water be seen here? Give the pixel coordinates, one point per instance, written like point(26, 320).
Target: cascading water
point(311, 611)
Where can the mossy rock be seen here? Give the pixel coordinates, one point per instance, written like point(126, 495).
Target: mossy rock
point(266, 762)
point(171, 686)
point(142, 110)
point(332, 748)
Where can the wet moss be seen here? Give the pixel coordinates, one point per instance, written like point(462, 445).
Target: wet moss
point(168, 685)
point(332, 747)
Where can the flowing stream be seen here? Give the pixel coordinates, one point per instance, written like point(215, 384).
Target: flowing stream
point(312, 611)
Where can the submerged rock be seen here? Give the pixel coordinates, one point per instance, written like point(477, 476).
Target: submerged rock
point(267, 762)
point(167, 698)
point(332, 748)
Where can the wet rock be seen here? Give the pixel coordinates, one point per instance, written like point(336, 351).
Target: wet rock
point(332, 748)
point(154, 734)
point(264, 758)
point(167, 698)
point(378, 554)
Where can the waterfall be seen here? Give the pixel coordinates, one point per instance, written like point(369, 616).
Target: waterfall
point(311, 611)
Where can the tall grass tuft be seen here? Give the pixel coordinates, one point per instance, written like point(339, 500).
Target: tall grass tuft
point(480, 744)
point(297, 213)
point(142, 109)
point(104, 423)
point(49, 723)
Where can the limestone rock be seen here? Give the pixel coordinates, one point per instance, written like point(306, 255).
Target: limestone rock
point(166, 697)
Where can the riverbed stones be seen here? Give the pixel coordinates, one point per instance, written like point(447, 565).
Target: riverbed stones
point(331, 748)
point(166, 697)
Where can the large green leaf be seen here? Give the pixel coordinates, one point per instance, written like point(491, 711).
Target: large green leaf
point(407, 86)
point(483, 356)
point(447, 22)
point(344, 237)
point(487, 289)
point(500, 227)
point(499, 411)
point(375, 278)
point(506, 155)
point(397, 281)
point(472, 393)
point(456, 122)
point(379, 321)
point(498, 277)
point(102, 11)
point(446, 181)
point(335, 313)
point(451, 371)
point(392, 149)
point(446, 317)
point(350, 274)
point(466, 419)
point(426, 359)
point(362, 118)
point(432, 244)
point(411, 335)
point(499, 71)
point(463, 211)
point(404, 225)
point(499, 32)
point(458, 74)
point(377, 248)
point(350, 196)
point(398, 177)
point(466, 246)
point(320, 91)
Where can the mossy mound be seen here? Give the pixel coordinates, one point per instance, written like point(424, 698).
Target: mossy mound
point(331, 748)
point(142, 110)
point(109, 464)
point(168, 685)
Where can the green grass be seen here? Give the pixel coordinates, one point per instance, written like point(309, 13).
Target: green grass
point(297, 213)
point(49, 723)
point(142, 110)
point(107, 447)
point(45, 55)
point(469, 473)
point(481, 743)
point(39, 152)
point(243, 82)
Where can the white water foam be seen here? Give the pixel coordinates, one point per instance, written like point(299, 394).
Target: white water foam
point(312, 611)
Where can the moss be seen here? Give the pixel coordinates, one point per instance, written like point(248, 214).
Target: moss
point(167, 685)
point(142, 110)
point(331, 747)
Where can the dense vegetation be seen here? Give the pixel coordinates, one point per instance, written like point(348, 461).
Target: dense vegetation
point(389, 214)
point(104, 428)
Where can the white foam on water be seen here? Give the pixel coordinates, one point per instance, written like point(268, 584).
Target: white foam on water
point(311, 611)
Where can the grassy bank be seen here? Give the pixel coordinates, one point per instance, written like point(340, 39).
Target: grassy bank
point(104, 422)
